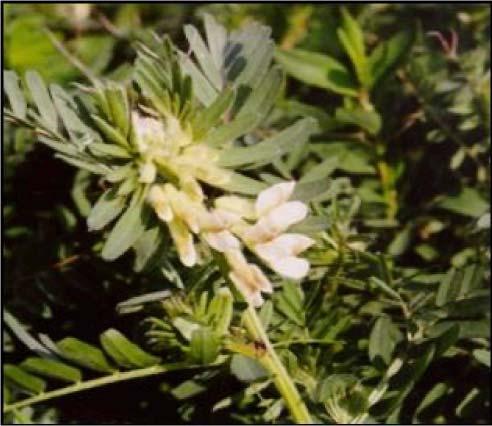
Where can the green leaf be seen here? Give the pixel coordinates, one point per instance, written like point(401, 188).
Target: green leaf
point(111, 133)
point(449, 287)
point(247, 369)
point(203, 90)
point(482, 356)
point(352, 158)
point(124, 352)
point(67, 110)
point(216, 39)
point(243, 185)
point(84, 354)
point(106, 209)
point(14, 94)
point(320, 171)
point(231, 131)
point(42, 99)
point(317, 70)
point(290, 302)
point(146, 247)
point(389, 54)
point(120, 108)
point(367, 120)
point(204, 345)
point(271, 148)
point(187, 389)
point(209, 117)
point(95, 168)
point(263, 97)
point(468, 202)
point(436, 393)
point(203, 56)
point(19, 330)
point(383, 339)
point(352, 39)
point(23, 379)
point(110, 150)
point(53, 369)
point(128, 229)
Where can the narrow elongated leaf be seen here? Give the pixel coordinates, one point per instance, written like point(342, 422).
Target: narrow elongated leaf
point(232, 130)
point(130, 226)
point(216, 39)
point(203, 56)
point(247, 369)
point(111, 133)
point(23, 379)
point(367, 120)
point(389, 54)
point(42, 99)
point(66, 108)
point(147, 246)
point(84, 354)
point(243, 185)
point(201, 86)
point(352, 39)
point(107, 208)
point(263, 97)
point(110, 150)
point(209, 117)
point(14, 94)
point(271, 148)
point(187, 389)
point(469, 202)
point(204, 345)
point(125, 353)
point(95, 168)
point(318, 70)
point(21, 333)
point(321, 170)
point(383, 339)
point(52, 369)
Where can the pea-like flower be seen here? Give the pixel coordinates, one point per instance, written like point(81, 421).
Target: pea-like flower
point(266, 238)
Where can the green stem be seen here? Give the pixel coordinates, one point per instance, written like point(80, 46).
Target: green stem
point(101, 381)
point(272, 363)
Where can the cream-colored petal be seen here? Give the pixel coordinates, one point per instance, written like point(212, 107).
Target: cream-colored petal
point(290, 267)
point(238, 205)
point(284, 216)
point(158, 200)
point(147, 172)
point(251, 295)
point(222, 241)
point(270, 251)
point(261, 279)
point(184, 207)
point(273, 196)
point(259, 232)
point(293, 244)
point(184, 242)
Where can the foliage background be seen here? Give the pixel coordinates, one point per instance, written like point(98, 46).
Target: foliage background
point(435, 144)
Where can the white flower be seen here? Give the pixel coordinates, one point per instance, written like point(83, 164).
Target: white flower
point(275, 215)
point(158, 200)
point(147, 172)
point(150, 134)
point(183, 239)
point(248, 278)
point(280, 254)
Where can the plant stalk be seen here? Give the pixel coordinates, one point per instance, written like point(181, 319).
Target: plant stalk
point(272, 363)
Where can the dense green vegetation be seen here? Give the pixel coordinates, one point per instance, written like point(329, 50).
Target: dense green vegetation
point(380, 113)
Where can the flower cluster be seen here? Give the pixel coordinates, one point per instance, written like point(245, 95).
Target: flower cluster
point(167, 148)
point(235, 221)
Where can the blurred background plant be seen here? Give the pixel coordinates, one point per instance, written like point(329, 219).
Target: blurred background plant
point(396, 318)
